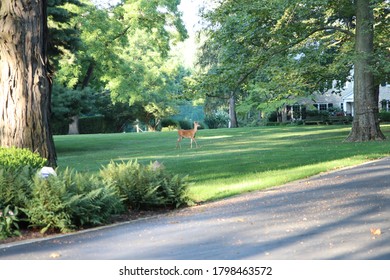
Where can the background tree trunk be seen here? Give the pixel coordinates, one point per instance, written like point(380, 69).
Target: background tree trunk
point(74, 126)
point(233, 123)
point(25, 85)
point(365, 125)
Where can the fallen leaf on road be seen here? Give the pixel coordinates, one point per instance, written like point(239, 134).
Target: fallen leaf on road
point(376, 231)
point(55, 255)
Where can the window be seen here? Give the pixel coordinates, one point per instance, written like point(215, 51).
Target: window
point(385, 105)
point(323, 106)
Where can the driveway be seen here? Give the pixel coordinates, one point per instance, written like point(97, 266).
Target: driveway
point(339, 215)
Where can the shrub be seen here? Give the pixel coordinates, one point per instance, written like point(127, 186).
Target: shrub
point(218, 120)
point(92, 124)
point(9, 222)
point(169, 123)
point(17, 157)
point(384, 116)
point(146, 187)
point(71, 200)
point(184, 124)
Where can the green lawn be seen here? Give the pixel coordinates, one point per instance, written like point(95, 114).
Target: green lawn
point(228, 161)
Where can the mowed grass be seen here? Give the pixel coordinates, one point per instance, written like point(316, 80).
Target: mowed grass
point(228, 161)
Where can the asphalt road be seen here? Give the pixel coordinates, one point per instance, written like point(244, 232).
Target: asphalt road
point(339, 215)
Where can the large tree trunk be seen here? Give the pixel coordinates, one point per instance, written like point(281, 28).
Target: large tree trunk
point(365, 126)
point(25, 85)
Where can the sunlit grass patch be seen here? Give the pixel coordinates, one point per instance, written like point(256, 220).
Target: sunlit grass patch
point(229, 161)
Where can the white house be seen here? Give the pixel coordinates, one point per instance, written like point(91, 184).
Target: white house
point(347, 98)
point(333, 99)
point(344, 99)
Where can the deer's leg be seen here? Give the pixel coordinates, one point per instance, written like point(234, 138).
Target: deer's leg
point(196, 144)
point(178, 142)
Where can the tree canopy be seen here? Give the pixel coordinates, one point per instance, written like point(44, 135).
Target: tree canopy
point(125, 49)
point(277, 50)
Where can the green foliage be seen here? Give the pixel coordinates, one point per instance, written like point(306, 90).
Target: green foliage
point(74, 200)
point(219, 119)
point(15, 186)
point(9, 222)
point(185, 124)
point(67, 103)
point(88, 200)
point(314, 113)
point(169, 123)
point(228, 161)
point(71, 200)
point(384, 116)
point(268, 52)
point(63, 37)
point(155, 112)
point(46, 209)
point(17, 157)
point(122, 53)
point(146, 187)
point(92, 125)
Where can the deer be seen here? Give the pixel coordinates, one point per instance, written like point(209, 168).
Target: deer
point(189, 133)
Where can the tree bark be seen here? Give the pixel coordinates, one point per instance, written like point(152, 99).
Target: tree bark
point(25, 84)
point(74, 125)
point(233, 123)
point(365, 125)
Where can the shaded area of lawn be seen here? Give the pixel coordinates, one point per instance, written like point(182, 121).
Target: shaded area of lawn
point(229, 161)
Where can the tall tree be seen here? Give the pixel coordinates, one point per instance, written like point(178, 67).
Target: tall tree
point(282, 49)
point(124, 49)
point(25, 82)
point(366, 92)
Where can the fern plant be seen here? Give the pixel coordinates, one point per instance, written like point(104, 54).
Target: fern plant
point(46, 209)
point(90, 201)
point(146, 187)
point(71, 200)
point(15, 186)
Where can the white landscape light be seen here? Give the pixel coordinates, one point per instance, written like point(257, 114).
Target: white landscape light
point(46, 171)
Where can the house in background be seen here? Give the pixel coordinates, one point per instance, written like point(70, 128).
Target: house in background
point(384, 98)
point(337, 100)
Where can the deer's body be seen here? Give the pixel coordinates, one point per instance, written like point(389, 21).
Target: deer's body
point(190, 133)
